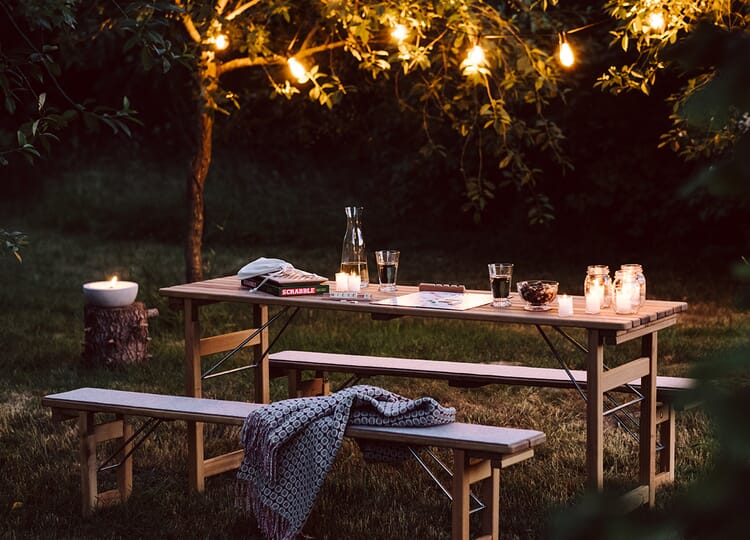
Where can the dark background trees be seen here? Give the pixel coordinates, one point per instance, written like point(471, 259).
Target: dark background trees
point(622, 183)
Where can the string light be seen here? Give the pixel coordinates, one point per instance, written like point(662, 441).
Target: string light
point(565, 53)
point(298, 70)
point(656, 21)
point(221, 42)
point(399, 33)
point(475, 61)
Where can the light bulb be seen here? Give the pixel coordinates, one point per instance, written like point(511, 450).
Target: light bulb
point(298, 71)
point(567, 58)
point(474, 61)
point(399, 33)
point(656, 21)
point(221, 42)
point(475, 56)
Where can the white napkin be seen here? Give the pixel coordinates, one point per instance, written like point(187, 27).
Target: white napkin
point(263, 265)
point(273, 268)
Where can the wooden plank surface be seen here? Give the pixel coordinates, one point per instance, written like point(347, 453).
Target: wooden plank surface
point(479, 439)
point(228, 289)
point(458, 372)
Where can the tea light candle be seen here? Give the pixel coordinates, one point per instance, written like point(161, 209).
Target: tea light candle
point(342, 281)
point(354, 280)
point(594, 299)
point(565, 306)
point(112, 293)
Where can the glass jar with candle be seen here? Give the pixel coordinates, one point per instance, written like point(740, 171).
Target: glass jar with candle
point(637, 269)
point(626, 293)
point(597, 288)
point(353, 254)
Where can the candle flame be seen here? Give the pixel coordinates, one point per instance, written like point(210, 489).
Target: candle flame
point(113, 282)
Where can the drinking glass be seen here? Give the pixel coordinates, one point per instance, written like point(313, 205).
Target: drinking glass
point(500, 276)
point(387, 260)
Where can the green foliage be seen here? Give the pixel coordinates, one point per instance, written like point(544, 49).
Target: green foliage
point(37, 107)
point(496, 101)
point(705, 44)
point(11, 243)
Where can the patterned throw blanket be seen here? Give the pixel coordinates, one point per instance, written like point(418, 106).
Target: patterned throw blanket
point(290, 446)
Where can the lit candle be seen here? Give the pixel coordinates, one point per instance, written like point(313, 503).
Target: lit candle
point(355, 280)
point(342, 281)
point(594, 299)
point(565, 305)
point(112, 293)
point(624, 299)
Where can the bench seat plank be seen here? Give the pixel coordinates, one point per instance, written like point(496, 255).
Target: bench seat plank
point(152, 405)
point(474, 438)
point(458, 373)
point(497, 447)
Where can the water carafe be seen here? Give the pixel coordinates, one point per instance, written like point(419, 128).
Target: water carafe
point(353, 254)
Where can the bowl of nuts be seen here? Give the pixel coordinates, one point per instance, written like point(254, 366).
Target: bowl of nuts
point(537, 293)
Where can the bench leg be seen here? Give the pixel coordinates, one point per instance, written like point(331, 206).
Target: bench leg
point(318, 386)
point(665, 418)
point(491, 498)
point(465, 473)
point(87, 435)
point(125, 472)
point(90, 434)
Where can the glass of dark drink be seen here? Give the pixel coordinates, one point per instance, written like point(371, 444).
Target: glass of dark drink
point(500, 276)
point(387, 260)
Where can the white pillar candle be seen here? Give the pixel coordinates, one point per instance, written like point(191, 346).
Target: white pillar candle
point(355, 280)
point(342, 281)
point(565, 306)
point(594, 299)
point(624, 299)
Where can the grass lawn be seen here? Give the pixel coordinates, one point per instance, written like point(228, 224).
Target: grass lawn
point(96, 221)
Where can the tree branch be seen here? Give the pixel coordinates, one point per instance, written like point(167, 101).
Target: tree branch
point(221, 6)
point(309, 37)
point(44, 62)
point(239, 9)
point(187, 21)
point(239, 63)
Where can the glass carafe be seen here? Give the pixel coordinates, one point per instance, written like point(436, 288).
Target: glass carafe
point(353, 254)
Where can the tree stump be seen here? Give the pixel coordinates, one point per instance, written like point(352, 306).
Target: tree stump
point(117, 336)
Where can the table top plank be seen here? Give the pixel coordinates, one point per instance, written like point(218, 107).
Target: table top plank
point(228, 289)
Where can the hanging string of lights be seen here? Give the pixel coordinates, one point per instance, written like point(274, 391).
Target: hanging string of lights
point(475, 61)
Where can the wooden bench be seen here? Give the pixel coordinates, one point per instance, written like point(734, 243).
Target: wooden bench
point(467, 374)
point(479, 452)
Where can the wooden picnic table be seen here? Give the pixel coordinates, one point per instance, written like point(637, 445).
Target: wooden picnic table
point(605, 328)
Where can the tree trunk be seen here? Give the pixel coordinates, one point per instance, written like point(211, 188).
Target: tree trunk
point(115, 337)
point(196, 181)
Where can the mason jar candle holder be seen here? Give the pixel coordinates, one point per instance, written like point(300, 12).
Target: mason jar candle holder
point(597, 288)
point(626, 293)
point(637, 270)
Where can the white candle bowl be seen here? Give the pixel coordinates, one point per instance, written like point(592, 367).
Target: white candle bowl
point(110, 293)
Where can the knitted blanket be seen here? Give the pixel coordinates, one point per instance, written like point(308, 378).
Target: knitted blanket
point(290, 446)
